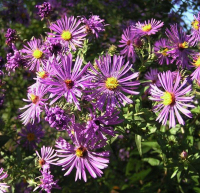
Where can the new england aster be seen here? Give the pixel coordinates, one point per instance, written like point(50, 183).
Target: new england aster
point(37, 102)
point(67, 80)
point(34, 53)
point(148, 27)
point(112, 81)
point(82, 156)
point(179, 43)
point(195, 32)
point(3, 186)
point(68, 32)
point(127, 44)
point(196, 63)
point(171, 99)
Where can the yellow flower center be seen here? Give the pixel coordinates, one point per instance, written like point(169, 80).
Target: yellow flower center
point(168, 98)
point(197, 62)
point(183, 45)
point(37, 54)
point(81, 151)
point(164, 52)
point(112, 83)
point(34, 98)
point(195, 24)
point(66, 35)
point(42, 162)
point(147, 27)
point(31, 136)
point(42, 74)
point(69, 83)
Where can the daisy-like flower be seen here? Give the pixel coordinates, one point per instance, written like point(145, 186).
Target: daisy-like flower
point(36, 100)
point(3, 186)
point(30, 136)
point(47, 157)
point(148, 27)
point(47, 182)
point(172, 99)
point(127, 44)
point(111, 81)
point(10, 36)
point(161, 48)
point(152, 77)
point(101, 124)
point(196, 64)
point(94, 25)
point(195, 32)
point(34, 53)
point(68, 31)
point(67, 80)
point(179, 49)
point(82, 156)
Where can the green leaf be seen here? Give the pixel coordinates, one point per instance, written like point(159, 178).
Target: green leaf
point(138, 139)
point(174, 174)
point(152, 161)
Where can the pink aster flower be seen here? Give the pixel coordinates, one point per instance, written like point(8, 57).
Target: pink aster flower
point(68, 31)
point(3, 186)
point(34, 53)
point(67, 80)
point(148, 27)
point(127, 44)
point(195, 32)
point(171, 99)
point(111, 81)
point(82, 156)
point(161, 48)
point(36, 100)
point(179, 48)
point(47, 157)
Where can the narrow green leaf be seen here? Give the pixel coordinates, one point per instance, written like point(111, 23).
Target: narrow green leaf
point(138, 139)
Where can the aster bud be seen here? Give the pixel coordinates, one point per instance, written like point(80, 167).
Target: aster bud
point(184, 155)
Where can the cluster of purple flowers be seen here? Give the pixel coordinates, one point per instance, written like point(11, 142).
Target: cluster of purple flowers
point(44, 10)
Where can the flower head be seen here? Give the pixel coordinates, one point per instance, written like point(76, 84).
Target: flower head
point(82, 156)
point(111, 82)
point(171, 99)
point(196, 64)
point(30, 136)
point(44, 10)
point(179, 49)
point(94, 25)
point(36, 100)
point(195, 32)
point(34, 53)
point(3, 186)
point(10, 36)
point(68, 32)
point(68, 80)
point(148, 27)
point(161, 48)
point(127, 44)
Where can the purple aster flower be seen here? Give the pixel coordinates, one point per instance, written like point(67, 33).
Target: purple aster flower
point(36, 100)
point(161, 48)
point(44, 10)
point(54, 48)
point(68, 31)
point(94, 25)
point(34, 54)
point(57, 118)
point(67, 80)
point(81, 155)
point(110, 81)
point(10, 36)
point(14, 60)
point(172, 99)
point(127, 43)
point(3, 186)
point(196, 64)
point(30, 136)
point(23, 16)
point(101, 124)
point(47, 157)
point(152, 77)
point(148, 27)
point(179, 46)
point(46, 182)
point(195, 32)
point(123, 154)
